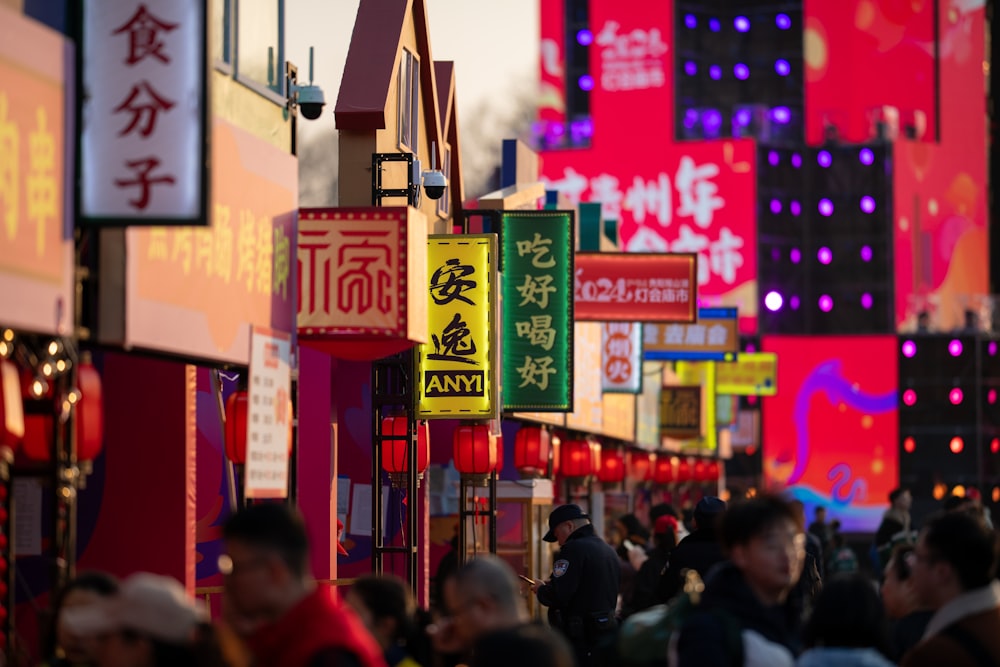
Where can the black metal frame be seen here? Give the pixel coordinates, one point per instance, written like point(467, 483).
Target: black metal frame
point(379, 193)
point(464, 513)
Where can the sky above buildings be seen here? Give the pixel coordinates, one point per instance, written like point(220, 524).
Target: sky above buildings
point(494, 44)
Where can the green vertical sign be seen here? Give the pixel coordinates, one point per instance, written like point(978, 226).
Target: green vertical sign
point(537, 258)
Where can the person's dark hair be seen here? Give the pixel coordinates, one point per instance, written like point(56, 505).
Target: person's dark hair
point(101, 583)
point(388, 596)
point(952, 503)
point(273, 527)
point(745, 520)
point(203, 651)
point(900, 561)
point(896, 493)
point(661, 509)
point(633, 528)
point(528, 645)
point(848, 613)
point(965, 542)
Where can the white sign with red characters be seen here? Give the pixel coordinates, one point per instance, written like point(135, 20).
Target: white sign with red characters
point(269, 414)
point(621, 357)
point(143, 129)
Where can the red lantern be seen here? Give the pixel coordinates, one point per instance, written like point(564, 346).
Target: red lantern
point(474, 451)
point(640, 465)
point(700, 470)
point(395, 454)
point(89, 424)
point(714, 471)
point(556, 460)
point(531, 450)
point(37, 443)
point(577, 459)
point(663, 469)
point(498, 446)
point(237, 408)
point(684, 471)
point(11, 405)
point(612, 466)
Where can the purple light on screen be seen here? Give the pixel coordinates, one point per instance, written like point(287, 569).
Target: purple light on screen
point(867, 301)
point(690, 21)
point(993, 348)
point(795, 208)
point(742, 118)
point(783, 21)
point(775, 255)
point(824, 159)
point(690, 118)
point(909, 349)
point(796, 160)
point(586, 82)
point(826, 303)
point(795, 255)
point(690, 68)
point(741, 23)
point(772, 158)
point(776, 206)
point(991, 396)
point(909, 397)
point(955, 396)
point(825, 207)
point(794, 303)
point(868, 204)
point(781, 115)
point(866, 156)
point(584, 37)
point(751, 348)
point(715, 72)
point(825, 255)
point(866, 253)
point(773, 301)
point(557, 129)
point(711, 119)
point(782, 67)
point(955, 347)
point(741, 72)
point(714, 25)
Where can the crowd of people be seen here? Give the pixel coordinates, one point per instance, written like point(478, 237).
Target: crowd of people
point(743, 583)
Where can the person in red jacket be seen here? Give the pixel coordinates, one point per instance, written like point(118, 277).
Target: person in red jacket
point(273, 602)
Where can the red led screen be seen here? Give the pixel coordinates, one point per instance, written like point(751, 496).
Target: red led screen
point(861, 55)
point(830, 435)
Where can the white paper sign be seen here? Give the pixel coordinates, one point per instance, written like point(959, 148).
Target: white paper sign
point(143, 131)
point(27, 517)
point(269, 414)
point(621, 357)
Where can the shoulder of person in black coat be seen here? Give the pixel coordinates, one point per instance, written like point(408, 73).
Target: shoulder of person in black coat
point(334, 657)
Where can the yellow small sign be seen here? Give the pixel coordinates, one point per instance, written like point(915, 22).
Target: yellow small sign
point(456, 374)
point(754, 374)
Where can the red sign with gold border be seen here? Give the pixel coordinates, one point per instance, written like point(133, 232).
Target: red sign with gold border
point(635, 287)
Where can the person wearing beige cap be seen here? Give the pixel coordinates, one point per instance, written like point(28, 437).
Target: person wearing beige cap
point(150, 622)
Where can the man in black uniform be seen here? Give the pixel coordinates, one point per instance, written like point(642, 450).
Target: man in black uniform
point(582, 592)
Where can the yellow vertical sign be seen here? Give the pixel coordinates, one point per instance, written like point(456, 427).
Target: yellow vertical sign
point(455, 376)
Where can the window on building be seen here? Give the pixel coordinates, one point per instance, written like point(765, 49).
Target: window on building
point(444, 204)
point(260, 46)
point(220, 28)
point(408, 119)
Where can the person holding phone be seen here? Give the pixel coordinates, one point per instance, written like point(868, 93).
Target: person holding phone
point(582, 591)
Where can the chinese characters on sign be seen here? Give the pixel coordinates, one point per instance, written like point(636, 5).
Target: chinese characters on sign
point(621, 357)
point(361, 293)
point(616, 287)
point(36, 248)
point(715, 336)
point(537, 260)
point(456, 377)
point(588, 401)
point(753, 374)
point(269, 415)
point(144, 133)
point(632, 59)
point(680, 412)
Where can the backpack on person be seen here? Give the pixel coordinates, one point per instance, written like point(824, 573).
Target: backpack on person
point(644, 637)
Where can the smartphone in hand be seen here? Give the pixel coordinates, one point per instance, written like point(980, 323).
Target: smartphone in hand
point(527, 579)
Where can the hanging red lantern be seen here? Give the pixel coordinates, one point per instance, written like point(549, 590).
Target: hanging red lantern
point(577, 459)
point(89, 418)
point(640, 465)
point(700, 470)
point(395, 453)
point(714, 471)
point(498, 446)
point(531, 450)
point(612, 466)
point(684, 473)
point(474, 451)
point(237, 409)
point(663, 469)
point(37, 443)
point(11, 405)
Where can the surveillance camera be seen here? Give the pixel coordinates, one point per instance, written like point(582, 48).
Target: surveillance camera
point(434, 183)
point(310, 100)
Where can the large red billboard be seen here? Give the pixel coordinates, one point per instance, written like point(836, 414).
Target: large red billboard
point(830, 434)
point(668, 196)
